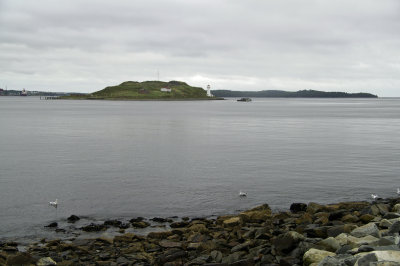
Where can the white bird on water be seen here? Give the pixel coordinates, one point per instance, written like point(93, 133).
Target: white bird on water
point(242, 194)
point(54, 203)
point(374, 196)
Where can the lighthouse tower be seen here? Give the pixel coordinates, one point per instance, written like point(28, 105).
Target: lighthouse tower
point(208, 91)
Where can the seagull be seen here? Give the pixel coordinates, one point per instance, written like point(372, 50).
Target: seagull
point(242, 194)
point(374, 196)
point(54, 203)
point(398, 191)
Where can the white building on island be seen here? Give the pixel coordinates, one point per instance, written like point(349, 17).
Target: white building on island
point(209, 91)
point(166, 89)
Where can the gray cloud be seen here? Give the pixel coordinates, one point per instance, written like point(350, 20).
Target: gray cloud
point(240, 45)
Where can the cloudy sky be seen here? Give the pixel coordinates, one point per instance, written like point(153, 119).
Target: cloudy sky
point(84, 46)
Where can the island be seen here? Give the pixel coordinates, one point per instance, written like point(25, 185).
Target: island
point(291, 94)
point(148, 90)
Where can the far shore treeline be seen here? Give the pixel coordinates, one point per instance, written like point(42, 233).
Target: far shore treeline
point(290, 94)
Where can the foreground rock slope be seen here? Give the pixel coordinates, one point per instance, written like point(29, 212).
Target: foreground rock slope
point(348, 233)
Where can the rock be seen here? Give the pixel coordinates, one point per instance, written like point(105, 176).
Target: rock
point(160, 220)
point(159, 235)
point(391, 215)
point(53, 224)
point(240, 247)
point(216, 256)
point(135, 220)
point(179, 224)
point(171, 255)
point(336, 215)
point(384, 223)
point(140, 224)
point(338, 229)
point(394, 228)
point(315, 256)
point(365, 230)
point(366, 259)
point(366, 218)
point(170, 244)
point(354, 242)
point(298, 207)
point(313, 207)
point(341, 259)
point(20, 258)
point(47, 261)
point(388, 255)
point(234, 221)
point(73, 218)
point(286, 242)
point(94, 227)
point(350, 218)
point(314, 230)
point(365, 248)
point(256, 215)
point(330, 244)
point(396, 208)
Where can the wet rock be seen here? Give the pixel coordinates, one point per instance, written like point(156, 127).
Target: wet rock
point(53, 224)
point(94, 227)
point(161, 220)
point(114, 223)
point(256, 215)
point(10, 249)
point(179, 224)
point(298, 207)
point(73, 218)
point(140, 224)
point(137, 219)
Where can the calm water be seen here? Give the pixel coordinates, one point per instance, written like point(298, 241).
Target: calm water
point(127, 159)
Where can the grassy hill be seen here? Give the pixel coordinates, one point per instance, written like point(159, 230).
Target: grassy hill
point(131, 90)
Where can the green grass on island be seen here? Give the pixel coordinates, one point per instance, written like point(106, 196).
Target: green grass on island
point(147, 90)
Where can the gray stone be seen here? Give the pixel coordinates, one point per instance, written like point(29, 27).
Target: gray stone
point(384, 223)
point(330, 244)
point(338, 260)
point(394, 228)
point(366, 259)
point(315, 256)
point(391, 215)
point(216, 255)
point(365, 248)
point(243, 246)
point(365, 230)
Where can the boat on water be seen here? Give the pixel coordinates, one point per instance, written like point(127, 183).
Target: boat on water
point(23, 93)
point(244, 99)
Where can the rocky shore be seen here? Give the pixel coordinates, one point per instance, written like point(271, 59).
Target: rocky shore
point(346, 233)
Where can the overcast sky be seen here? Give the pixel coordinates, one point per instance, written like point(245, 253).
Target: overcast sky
point(84, 46)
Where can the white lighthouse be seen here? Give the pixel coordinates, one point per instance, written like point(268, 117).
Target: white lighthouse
point(208, 91)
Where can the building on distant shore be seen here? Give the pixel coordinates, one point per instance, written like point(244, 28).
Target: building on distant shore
point(166, 89)
point(209, 91)
point(24, 92)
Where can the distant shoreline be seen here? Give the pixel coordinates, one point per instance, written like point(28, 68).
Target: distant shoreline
point(289, 94)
